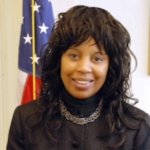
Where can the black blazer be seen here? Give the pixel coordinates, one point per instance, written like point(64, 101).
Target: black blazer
point(73, 136)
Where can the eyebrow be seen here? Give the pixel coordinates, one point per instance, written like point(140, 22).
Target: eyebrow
point(101, 51)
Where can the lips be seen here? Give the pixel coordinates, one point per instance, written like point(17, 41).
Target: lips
point(83, 84)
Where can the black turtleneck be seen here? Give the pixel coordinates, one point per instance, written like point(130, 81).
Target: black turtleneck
point(78, 107)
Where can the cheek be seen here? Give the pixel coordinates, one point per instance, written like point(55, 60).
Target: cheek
point(101, 74)
point(65, 69)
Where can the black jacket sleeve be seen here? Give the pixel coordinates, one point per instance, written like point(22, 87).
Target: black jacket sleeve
point(143, 135)
point(16, 136)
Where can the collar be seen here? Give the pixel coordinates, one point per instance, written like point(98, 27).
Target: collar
point(81, 108)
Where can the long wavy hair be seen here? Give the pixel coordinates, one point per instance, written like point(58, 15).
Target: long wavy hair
point(71, 29)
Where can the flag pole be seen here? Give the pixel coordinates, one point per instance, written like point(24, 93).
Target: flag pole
point(33, 51)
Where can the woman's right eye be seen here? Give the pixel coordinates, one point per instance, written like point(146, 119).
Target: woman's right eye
point(74, 56)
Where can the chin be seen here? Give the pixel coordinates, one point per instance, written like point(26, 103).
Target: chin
point(82, 97)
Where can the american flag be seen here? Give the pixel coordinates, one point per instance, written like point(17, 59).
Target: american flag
point(43, 25)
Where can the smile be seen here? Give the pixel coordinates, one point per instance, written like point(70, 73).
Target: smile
point(82, 83)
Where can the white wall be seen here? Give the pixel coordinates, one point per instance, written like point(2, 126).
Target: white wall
point(134, 14)
point(10, 19)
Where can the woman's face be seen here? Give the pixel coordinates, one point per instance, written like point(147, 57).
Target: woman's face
point(84, 69)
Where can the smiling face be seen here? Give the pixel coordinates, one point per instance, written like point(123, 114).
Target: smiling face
point(84, 69)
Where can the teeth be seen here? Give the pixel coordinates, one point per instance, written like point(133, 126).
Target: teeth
point(82, 82)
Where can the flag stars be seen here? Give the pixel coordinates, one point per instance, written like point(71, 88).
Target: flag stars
point(27, 39)
point(35, 59)
point(43, 28)
point(49, 0)
point(36, 7)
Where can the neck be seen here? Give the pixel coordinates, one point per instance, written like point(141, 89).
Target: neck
point(81, 108)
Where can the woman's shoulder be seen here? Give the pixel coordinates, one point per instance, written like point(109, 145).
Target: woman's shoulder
point(34, 104)
point(139, 115)
point(28, 109)
point(137, 122)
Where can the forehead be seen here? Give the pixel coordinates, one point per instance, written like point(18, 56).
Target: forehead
point(90, 42)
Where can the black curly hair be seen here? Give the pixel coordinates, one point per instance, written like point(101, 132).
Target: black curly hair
point(72, 28)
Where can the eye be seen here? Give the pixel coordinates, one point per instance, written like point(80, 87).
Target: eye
point(74, 56)
point(97, 59)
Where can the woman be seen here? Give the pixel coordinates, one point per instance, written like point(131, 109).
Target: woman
point(84, 103)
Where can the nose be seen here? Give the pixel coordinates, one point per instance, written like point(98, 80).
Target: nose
point(84, 65)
